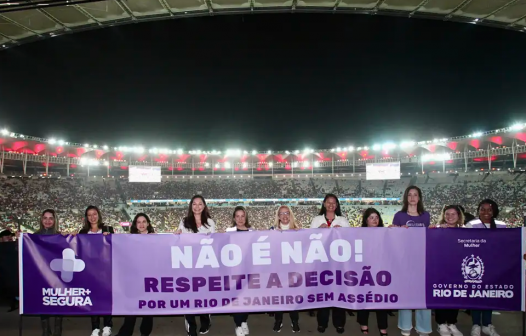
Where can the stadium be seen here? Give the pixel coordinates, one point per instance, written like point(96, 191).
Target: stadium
point(41, 173)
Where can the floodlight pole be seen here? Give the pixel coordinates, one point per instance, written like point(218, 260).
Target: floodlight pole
point(489, 157)
point(3, 160)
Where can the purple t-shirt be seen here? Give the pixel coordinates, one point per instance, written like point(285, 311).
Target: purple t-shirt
point(402, 218)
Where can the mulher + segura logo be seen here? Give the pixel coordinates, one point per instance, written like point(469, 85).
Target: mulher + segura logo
point(67, 266)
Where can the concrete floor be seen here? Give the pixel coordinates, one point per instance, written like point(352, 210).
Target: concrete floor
point(507, 324)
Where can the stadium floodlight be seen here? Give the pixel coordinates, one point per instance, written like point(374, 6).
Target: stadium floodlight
point(254, 152)
point(61, 142)
point(296, 151)
point(5, 132)
point(366, 148)
point(388, 146)
point(287, 152)
point(332, 150)
point(406, 144)
point(95, 146)
point(86, 145)
point(179, 151)
point(338, 149)
point(477, 134)
point(350, 148)
point(376, 147)
point(52, 141)
point(105, 147)
point(269, 152)
point(517, 127)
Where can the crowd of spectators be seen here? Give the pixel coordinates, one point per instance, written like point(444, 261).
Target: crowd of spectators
point(22, 200)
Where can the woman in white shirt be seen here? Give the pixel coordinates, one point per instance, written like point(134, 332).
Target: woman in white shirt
point(330, 216)
point(285, 220)
point(488, 211)
point(197, 220)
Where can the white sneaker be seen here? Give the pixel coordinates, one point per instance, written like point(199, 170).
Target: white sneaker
point(95, 332)
point(423, 334)
point(454, 331)
point(406, 332)
point(239, 331)
point(475, 330)
point(244, 327)
point(490, 330)
point(443, 330)
point(106, 331)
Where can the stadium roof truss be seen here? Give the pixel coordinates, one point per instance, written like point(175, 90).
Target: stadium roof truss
point(24, 21)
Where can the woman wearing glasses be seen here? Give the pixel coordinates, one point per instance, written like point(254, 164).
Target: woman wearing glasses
point(446, 319)
point(283, 221)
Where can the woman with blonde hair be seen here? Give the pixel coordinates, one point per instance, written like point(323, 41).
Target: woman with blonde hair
point(285, 220)
point(451, 217)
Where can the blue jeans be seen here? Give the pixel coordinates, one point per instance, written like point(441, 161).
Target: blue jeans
point(423, 320)
point(481, 317)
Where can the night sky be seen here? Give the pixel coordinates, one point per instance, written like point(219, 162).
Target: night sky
point(280, 81)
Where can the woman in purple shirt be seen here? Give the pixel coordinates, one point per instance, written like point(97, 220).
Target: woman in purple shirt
point(413, 214)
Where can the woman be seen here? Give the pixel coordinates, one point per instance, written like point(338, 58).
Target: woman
point(49, 226)
point(446, 319)
point(372, 218)
point(141, 224)
point(285, 220)
point(488, 211)
point(240, 223)
point(413, 214)
point(197, 220)
point(93, 225)
point(330, 216)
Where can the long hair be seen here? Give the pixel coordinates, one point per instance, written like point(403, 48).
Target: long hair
point(87, 225)
point(460, 213)
point(293, 224)
point(323, 210)
point(240, 208)
point(149, 228)
point(189, 220)
point(420, 204)
point(494, 207)
point(55, 218)
point(368, 212)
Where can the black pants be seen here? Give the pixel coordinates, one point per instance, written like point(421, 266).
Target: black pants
point(192, 325)
point(338, 317)
point(95, 322)
point(294, 316)
point(446, 316)
point(240, 318)
point(381, 318)
point(129, 325)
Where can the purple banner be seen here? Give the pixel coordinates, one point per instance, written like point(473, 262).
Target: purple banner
point(354, 268)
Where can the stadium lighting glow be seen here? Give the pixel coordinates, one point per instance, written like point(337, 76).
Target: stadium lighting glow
point(254, 152)
point(477, 134)
point(52, 141)
point(351, 148)
point(270, 165)
point(287, 152)
point(86, 145)
point(296, 151)
point(388, 146)
point(179, 151)
point(269, 152)
point(406, 144)
point(5, 132)
point(436, 157)
point(95, 146)
point(517, 127)
point(233, 152)
point(376, 147)
point(316, 164)
point(305, 164)
point(338, 149)
point(61, 142)
point(227, 164)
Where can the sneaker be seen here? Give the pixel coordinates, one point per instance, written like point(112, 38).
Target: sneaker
point(106, 331)
point(454, 331)
point(189, 331)
point(443, 330)
point(239, 331)
point(277, 326)
point(490, 330)
point(475, 330)
point(422, 334)
point(340, 330)
point(405, 332)
point(295, 326)
point(95, 332)
point(321, 329)
point(205, 329)
point(244, 327)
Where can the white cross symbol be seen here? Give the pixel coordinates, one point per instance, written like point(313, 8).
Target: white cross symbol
point(67, 265)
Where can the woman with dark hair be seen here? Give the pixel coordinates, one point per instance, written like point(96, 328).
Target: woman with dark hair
point(140, 225)
point(240, 223)
point(488, 211)
point(197, 220)
point(330, 216)
point(446, 319)
point(413, 214)
point(49, 226)
point(93, 224)
point(372, 218)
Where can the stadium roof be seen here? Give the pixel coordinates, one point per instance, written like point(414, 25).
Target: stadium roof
point(25, 21)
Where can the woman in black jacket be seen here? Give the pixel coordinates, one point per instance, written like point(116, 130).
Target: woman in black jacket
point(141, 225)
point(93, 225)
point(49, 226)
